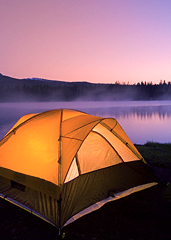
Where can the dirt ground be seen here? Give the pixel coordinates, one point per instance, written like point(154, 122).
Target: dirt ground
point(144, 215)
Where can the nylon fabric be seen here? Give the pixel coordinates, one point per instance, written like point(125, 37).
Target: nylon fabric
point(31, 199)
point(31, 182)
point(124, 152)
point(75, 127)
point(117, 129)
point(28, 152)
point(62, 162)
point(68, 114)
point(98, 205)
point(95, 186)
point(70, 146)
point(21, 120)
point(95, 153)
point(73, 172)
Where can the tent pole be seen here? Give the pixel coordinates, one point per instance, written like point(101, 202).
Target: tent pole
point(59, 173)
point(59, 233)
point(59, 212)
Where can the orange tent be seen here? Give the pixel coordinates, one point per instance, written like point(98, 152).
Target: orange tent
point(62, 164)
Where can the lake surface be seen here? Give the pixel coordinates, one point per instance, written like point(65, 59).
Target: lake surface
point(142, 120)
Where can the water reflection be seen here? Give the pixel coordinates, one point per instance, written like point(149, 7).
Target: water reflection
point(127, 112)
point(142, 121)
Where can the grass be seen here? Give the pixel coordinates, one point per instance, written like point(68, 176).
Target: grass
point(156, 153)
point(158, 156)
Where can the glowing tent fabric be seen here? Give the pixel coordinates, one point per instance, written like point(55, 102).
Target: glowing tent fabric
point(62, 164)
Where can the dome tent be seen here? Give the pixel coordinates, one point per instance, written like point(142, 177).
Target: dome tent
point(62, 164)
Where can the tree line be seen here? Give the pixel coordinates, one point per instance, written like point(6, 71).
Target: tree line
point(46, 90)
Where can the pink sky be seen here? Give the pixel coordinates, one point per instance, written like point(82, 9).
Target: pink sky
point(86, 40)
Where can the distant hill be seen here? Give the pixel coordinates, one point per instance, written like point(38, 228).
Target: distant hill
point(36, 89)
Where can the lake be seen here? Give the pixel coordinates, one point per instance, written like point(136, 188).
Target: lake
point(142, 120)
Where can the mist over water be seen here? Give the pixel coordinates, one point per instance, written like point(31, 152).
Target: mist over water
point(142, 120)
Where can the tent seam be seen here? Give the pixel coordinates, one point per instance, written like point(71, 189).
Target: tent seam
point(85, 125)
point(99, 120)
point(122, 140)
point(109, 144)
point(13, 132)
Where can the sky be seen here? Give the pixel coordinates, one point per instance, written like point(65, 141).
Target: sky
point(99, 41)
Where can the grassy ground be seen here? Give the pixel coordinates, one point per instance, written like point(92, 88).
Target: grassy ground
point(145, 215)
point(158, 156)
point(156, 153)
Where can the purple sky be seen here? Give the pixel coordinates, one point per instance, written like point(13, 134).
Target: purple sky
point(86, 40)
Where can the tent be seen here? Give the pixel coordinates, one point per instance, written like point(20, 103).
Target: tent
point(62, 164)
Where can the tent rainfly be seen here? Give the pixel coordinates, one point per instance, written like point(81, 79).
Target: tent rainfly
point(62, 164)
